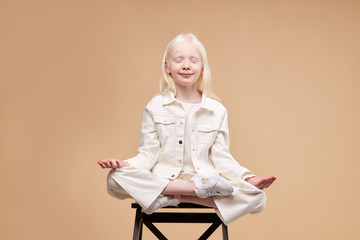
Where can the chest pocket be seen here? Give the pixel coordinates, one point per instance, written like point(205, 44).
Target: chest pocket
point(207, 133)
point(165, 126)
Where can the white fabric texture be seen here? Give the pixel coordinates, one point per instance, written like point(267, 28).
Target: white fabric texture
point(139, 184)
point(190, 110)
point(160, 157)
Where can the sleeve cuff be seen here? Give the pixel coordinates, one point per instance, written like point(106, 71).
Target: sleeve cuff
point(129, 162)
point(246, 176)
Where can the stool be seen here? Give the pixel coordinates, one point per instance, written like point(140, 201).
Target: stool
point(176, 217)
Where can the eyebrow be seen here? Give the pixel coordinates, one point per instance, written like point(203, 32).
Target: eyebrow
point(181, 56)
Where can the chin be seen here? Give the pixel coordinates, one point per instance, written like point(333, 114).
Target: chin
point(186, 84)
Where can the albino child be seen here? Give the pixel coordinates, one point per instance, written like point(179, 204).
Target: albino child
point(184, 145)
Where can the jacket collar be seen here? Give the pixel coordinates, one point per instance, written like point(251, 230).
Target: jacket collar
point(205, 101)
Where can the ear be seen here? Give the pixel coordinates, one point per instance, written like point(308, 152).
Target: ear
point(167, 69)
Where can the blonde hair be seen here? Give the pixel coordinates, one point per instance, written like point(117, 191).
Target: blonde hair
point(167, 83)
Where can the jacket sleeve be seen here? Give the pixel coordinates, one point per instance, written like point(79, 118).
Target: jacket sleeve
point(220, 155)
point(149, 146)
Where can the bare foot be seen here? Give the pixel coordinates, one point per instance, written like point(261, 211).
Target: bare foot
point(261, 182)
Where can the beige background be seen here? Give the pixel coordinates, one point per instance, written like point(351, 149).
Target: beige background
point(76, 75)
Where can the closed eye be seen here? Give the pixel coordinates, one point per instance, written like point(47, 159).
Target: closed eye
point(194, 60)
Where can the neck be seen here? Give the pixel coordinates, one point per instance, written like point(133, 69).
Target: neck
point(188, 95)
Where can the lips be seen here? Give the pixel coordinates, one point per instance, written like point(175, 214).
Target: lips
point(186, 75)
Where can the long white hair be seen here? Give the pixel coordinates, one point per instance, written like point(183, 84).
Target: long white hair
point(167, 83)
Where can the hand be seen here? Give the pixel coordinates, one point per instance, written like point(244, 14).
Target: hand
point(112, 163)
point(261, 182)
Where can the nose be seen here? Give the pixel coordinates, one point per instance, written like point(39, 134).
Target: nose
point(186, 65)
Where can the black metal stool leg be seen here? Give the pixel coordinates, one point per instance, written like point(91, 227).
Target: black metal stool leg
point(155, 231)
point(225, 232)
point(141, 230)
point(209, 231)
point(138, 225)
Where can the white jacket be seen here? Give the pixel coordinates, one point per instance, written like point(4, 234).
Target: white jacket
point(161, 147)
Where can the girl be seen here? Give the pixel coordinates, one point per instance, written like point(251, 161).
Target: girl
point(184, 145)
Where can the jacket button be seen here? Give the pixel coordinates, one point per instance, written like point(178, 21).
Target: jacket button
point(173, 175)
point(179, 161)
point(180, 142)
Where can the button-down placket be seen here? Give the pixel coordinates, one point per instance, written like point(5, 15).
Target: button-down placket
point(194, 142)
point(180, 128)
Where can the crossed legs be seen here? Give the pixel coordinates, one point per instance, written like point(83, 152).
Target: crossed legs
point(187, 192)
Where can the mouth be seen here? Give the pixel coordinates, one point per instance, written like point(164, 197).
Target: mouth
point(186, 75)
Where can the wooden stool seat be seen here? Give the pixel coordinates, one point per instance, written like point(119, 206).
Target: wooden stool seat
point(176, 217)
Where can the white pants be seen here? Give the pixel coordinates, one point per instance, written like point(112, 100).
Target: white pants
point(145, 187)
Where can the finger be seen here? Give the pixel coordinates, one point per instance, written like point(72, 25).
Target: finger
point(105, 160)
point(272, 180)
point(265, 183)
point(118, 164)
point(261, 184)
point(269, 183)
point(113, 164)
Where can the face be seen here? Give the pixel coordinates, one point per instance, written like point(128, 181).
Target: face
point(184, 64)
